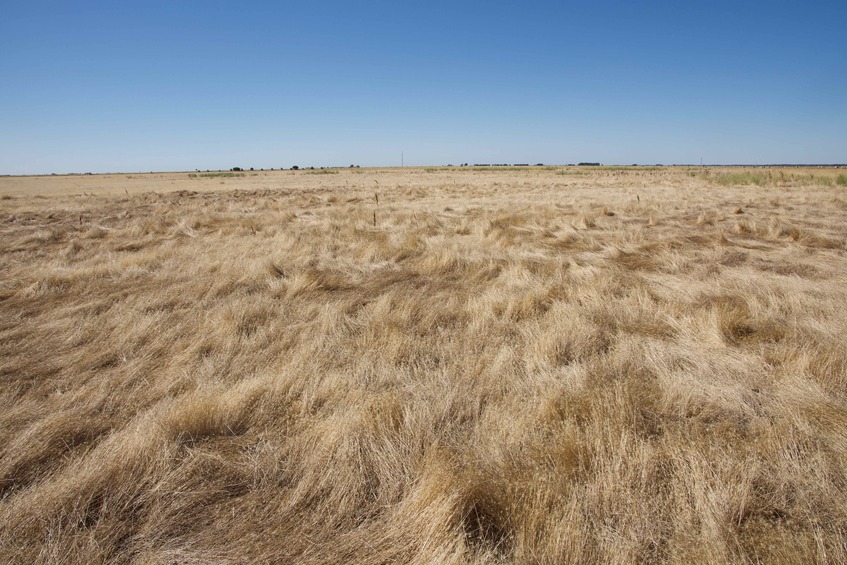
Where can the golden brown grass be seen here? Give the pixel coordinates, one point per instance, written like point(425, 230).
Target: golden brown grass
point(410, 366)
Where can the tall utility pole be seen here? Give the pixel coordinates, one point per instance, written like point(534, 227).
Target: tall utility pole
point(401, 159)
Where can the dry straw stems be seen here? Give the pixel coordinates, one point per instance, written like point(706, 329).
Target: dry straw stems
point(503, 367)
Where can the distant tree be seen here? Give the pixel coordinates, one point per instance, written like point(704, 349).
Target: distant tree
point(236, 169)
point(295, 168)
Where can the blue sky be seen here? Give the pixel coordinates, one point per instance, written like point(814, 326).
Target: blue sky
point(139, 86)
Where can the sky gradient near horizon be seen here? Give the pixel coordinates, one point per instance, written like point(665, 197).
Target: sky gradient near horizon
point(141, 86)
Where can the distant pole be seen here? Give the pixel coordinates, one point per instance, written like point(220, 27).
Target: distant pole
point(401, 159)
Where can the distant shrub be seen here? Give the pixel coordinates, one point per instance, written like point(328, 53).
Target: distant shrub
point(215, 175)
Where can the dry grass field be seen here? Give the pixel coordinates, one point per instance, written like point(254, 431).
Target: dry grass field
point(544, 365)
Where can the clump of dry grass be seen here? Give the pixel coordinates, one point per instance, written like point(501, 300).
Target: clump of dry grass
point(490, 372)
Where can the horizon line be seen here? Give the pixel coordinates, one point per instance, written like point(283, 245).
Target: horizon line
point(462, 166)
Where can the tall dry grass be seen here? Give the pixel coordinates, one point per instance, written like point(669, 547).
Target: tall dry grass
point(484, 367)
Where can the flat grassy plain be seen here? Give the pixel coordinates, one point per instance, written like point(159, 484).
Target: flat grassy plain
point(542, 365)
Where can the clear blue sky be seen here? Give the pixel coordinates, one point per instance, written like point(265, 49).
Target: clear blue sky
point(179, 85)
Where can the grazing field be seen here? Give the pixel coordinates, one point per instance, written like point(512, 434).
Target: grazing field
point(540, 365)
